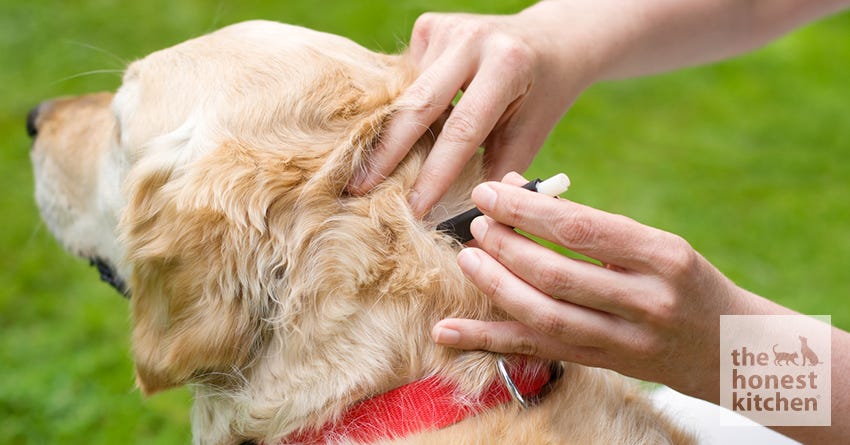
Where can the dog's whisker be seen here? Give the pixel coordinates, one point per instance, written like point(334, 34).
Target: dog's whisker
point(88, 73)
point(114, 56)
point(401, 42)
point(34, 233)
point(217, 17)
point(36, 230)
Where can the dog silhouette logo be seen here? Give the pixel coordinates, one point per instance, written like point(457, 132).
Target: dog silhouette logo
point(807, 352)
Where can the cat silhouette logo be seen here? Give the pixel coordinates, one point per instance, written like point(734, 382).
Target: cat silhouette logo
point(779, 356)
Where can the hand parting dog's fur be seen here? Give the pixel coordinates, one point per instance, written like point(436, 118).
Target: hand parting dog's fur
point(216, 183)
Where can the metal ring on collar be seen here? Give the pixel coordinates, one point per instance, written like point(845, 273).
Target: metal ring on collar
point(502, 369)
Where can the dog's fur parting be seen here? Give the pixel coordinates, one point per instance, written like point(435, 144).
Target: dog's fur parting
point(215, 179)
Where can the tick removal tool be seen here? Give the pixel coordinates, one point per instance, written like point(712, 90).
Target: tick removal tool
point(458, 226)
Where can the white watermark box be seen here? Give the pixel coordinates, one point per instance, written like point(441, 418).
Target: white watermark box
point(775, 369)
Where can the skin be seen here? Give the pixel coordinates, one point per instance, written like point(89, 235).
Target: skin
point(651, 310)
point(520, 73)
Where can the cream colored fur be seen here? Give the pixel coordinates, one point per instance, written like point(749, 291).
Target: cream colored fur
point(214, 180)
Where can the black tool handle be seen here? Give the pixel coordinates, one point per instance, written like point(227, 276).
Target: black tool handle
point(458, 226)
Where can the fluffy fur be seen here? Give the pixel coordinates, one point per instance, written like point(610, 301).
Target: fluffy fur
point(214, 180)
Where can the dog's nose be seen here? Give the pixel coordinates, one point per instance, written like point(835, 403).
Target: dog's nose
point(32, 118)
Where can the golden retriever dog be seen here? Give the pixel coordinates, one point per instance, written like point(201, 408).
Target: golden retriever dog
point(211, 187)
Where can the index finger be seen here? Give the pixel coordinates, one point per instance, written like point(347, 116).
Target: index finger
point(607, 237)
point(418, 107)
point(489, 95)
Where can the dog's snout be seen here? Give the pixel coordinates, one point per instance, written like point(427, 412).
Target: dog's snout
point(32, 121)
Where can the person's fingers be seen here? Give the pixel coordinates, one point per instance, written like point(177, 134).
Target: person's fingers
point(418, 107)
point(514, 178)
point(420, 36)
point(510, 337)
point(562, 320)
point(610, 238)
point(561, 277)
point(493, 89)
point(515, 142)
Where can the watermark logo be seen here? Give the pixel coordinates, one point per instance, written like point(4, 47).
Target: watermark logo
point(775, 369)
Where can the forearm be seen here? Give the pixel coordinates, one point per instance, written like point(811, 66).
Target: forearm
point(840, 429)
point(840, 397)
point(629, 39)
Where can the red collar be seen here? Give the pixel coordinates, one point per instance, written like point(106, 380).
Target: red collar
point(428, 404)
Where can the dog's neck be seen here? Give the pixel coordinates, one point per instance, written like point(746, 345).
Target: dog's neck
point(364, 327)
point(431, 403)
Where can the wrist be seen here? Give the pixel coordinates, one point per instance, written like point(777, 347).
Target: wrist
point(584, 40)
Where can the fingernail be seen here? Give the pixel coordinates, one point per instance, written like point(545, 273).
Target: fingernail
point(446, 336)
point(468, 261)
point(478, 228)
point(484, 197)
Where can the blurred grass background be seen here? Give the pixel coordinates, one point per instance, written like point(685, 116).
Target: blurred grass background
point(746, 159)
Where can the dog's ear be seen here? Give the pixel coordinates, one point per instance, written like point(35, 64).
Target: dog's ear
point(207, 239)
point(362, 104)
point(182, 328)
point(345, 161)
point(205, 245)
point(202, 258)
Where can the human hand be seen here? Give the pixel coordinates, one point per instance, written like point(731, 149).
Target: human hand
point(519, 73)
point(514, 91)
point(650, 311)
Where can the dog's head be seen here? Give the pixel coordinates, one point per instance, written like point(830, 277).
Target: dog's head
point(213, 182)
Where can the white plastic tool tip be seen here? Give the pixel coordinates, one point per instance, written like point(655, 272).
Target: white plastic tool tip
point(555, 185)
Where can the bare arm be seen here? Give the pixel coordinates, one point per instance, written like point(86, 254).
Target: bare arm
point(654, 36)
point(520, 73)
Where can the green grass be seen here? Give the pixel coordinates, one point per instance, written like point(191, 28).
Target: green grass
point(746, 159)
